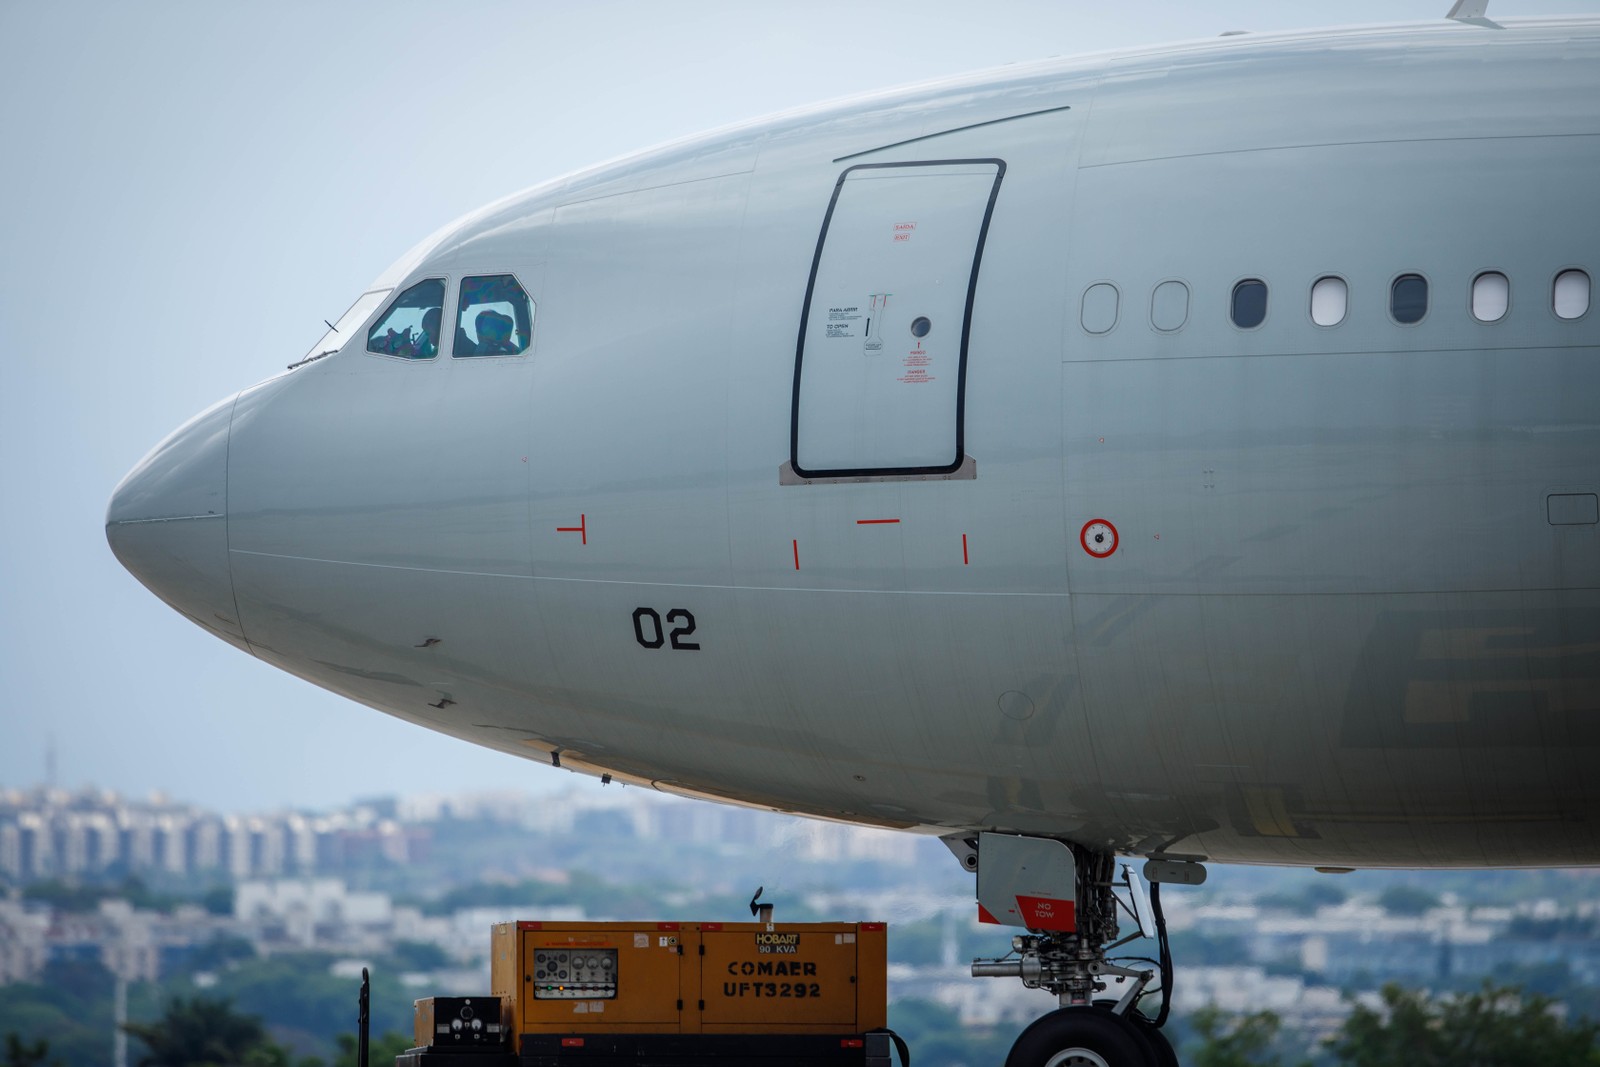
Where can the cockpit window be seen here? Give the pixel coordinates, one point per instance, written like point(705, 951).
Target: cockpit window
point(338, 333)
point(496, 317)
point(410, 327)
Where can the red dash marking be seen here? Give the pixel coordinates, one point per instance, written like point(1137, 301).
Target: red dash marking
point(796, 554)
point(874, 522)
point(964, 560)
point(582, 528)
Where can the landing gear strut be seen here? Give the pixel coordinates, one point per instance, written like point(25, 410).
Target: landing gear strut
point(1066, 896)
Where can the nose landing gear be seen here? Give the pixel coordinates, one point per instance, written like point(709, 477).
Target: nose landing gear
point(1066, 896)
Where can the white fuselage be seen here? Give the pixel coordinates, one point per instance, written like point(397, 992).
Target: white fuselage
point(1345, 607)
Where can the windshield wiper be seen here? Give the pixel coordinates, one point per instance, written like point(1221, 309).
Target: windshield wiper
point(326, 352)
point(312, 359)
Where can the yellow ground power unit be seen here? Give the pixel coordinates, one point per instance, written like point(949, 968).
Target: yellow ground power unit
point(605, 994)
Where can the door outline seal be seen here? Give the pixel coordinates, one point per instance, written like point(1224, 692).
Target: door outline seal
point(863, 473)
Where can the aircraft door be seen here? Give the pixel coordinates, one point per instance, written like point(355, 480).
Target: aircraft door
point(880, 369)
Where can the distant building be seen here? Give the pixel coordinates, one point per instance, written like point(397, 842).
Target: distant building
point(24, 941)
point(54, 834)
point(133, 944)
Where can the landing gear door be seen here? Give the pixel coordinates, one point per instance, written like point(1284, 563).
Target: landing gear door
point(1027, 881)
point(880, 370)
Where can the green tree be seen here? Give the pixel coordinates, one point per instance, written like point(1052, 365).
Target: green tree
point(418, 956)
point(938, 1039)
point(218, 900)
point(294, 992)
point(22, 1055)
point(65, 896)
point(69, 1006)
point(1493, 1027)
point(205, 1033)
point(1407, 900)
point(1571, 927)
point(218, 953)
point(1228, 1040)
point(1195, 947)
point(383, 1049)
point(1305, 899)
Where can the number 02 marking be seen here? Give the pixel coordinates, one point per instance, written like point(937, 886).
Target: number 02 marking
point(653, 635)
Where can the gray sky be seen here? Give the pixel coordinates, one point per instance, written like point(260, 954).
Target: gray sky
point(190, 188)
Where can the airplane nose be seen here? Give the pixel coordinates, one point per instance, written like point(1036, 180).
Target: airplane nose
point(167, 522)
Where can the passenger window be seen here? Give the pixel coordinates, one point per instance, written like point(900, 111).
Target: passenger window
point(1330, 298)
point(1570, 296)
point(496, 317)
point(1169, 306)
point(1249, 303)
point(1099, 311)
point(1408, 299)
point(1491, 296)
point(410, 328)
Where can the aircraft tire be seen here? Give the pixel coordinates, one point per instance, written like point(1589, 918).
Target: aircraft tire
point(1161, 1051)
point(1160, 1048)
point(1082, 1037)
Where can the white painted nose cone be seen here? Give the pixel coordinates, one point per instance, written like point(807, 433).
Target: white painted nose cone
point(167, 522)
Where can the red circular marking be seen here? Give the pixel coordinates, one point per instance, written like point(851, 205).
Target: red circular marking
point(1098, 551)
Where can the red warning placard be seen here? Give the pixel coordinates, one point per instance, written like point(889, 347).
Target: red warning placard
point(1044, 913)
point(1098, 538)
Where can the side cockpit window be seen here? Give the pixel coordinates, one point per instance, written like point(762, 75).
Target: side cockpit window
point(410, 326)
point(495, 318)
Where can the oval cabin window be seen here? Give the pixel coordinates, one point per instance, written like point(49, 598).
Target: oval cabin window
point(1249, 303)
point(1169, 306)
point(1099, 311)
point(1571, 294)
point(1491, 296)
point(1408, 299)
point(1330, 298)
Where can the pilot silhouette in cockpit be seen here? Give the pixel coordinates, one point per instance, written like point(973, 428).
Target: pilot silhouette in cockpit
point(494, 334)
point(428, 339)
